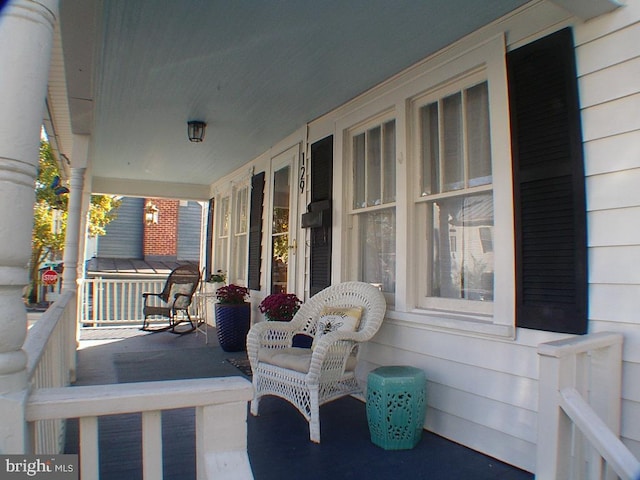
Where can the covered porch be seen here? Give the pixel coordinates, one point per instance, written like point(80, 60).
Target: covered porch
point(277, 440)
point(159, 405)
point(552, 402)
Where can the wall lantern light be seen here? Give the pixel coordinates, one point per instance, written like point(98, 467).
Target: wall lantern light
point(195, 129)
point(150, 214)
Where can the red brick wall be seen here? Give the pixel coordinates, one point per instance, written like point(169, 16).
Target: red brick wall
point(161, 239)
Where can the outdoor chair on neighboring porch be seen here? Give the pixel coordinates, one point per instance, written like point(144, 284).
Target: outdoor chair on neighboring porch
point(173, 302)
point(339, 318)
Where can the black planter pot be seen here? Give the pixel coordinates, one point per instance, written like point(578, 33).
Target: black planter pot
point(232, 325)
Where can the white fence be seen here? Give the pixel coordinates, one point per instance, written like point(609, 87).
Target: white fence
point(579, 410)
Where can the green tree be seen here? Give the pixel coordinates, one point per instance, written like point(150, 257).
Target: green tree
point(50, 217)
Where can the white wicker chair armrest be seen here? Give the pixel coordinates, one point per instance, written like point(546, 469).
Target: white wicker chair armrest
point(331, 353)
point(268, 335)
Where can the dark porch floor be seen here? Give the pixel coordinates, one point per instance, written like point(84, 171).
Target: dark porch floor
point(278, 439)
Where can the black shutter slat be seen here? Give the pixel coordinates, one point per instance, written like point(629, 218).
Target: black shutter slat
point(550, 208)
point(255, 230)
point(321, 189)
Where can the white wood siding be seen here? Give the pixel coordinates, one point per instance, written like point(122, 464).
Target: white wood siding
point(612, 161)
point(608, 54)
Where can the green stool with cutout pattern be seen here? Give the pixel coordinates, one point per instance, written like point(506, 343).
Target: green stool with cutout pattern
point(396, 405)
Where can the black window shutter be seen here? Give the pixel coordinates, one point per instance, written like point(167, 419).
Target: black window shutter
point(255, 230)
point(208, 252)
point(549, 191)
point(321, 188)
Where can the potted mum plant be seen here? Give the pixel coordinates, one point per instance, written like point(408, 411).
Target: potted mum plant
point(280, 306)
point(233, 317)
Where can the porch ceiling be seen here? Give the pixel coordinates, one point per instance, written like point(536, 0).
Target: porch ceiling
point(255, 71)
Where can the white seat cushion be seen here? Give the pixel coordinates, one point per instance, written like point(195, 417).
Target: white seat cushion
point(294, 358)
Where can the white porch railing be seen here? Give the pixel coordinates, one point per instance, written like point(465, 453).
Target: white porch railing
point(105, 302)
point(579, 410)
point(51, 362)
point(220, 403)
point(109, 301)
point(221, 428)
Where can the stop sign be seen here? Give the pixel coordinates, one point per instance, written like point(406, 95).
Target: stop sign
point(50, 277)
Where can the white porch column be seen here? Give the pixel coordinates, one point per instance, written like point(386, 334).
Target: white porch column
point(28, 27)
point(72, 238)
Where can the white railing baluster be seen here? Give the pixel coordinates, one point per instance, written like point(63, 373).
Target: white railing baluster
point(221, 420)
point(579, 410)
point(221, 442)
point(152, 445)
point(89, 446)
point(97, 300)
point(114, 301)
point(588, 421)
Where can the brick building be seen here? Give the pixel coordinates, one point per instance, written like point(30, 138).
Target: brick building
point(172, 233)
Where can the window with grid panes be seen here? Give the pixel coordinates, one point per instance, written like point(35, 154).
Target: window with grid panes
point(222, 240)
point(373, 152)
point(240, 235)
point(455, 206)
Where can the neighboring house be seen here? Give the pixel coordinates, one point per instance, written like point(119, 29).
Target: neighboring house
point(490, 191)
point(176, 235)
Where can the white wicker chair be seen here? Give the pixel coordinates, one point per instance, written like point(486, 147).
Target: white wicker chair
point(331, 370)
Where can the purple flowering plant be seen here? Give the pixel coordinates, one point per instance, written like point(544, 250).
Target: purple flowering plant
point(232, 294)
point(280, 306)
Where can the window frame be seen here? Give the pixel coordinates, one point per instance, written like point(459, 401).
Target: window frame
point(423, 201)
point(221, 248)
point(225, 257)
point(240, 277)
point(395, 98)
point(486, 62)
point(353, 213)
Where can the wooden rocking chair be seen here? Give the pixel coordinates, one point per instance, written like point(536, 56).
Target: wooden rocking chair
point(173, 302)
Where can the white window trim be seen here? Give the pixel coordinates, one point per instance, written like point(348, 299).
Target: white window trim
point(352, 262)
point(499, 320)
point(239, 279)
point(218, 263)
point(420, 201)
point(397, 96)
point(230, 193)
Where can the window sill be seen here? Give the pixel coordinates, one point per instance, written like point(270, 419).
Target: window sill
point(460, 323)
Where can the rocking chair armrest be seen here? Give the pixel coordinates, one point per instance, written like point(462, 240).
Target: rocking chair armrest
point(148, 295)
point(177, 295)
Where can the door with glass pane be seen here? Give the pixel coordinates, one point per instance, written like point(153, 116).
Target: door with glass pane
point(283, 223)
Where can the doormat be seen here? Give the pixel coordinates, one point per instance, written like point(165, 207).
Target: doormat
point(241, 364)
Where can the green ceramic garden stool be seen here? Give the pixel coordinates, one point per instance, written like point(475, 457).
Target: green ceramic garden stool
point(396, 403)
